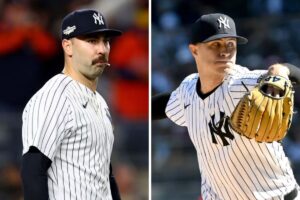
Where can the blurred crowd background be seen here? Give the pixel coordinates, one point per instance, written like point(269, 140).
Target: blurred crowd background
point(273, 30)
point(31, 53)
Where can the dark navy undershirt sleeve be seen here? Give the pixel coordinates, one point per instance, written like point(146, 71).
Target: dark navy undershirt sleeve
point(159, 104)
point(113, 185)
point(34, 175)
point(294, 73)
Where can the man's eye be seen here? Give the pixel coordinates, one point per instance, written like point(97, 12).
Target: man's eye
point(215, 45)
point(107, 40)
point(230, 45)
point(92, 41)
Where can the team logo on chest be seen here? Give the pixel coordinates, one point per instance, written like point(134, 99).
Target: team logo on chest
point(216, 129)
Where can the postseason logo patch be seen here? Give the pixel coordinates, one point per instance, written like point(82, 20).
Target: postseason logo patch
point(69, 30)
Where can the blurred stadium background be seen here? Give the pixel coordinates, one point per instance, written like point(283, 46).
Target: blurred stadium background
point(273, 30)
point(30, 54)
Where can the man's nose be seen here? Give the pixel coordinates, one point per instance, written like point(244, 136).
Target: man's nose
point(224, 52)
point(102, 48)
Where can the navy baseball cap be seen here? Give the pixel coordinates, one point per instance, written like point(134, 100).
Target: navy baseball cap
point(214, 26)
point(83, 22)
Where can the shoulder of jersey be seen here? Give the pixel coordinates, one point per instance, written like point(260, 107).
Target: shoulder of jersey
point(190, 78)
point(102, 100)
point(57, 82)
point(240, 72)
point(189, 81)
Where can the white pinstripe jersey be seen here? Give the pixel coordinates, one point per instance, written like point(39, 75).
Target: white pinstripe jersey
point(71, 125)
point(231, 166)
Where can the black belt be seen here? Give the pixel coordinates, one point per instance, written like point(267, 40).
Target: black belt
point(291, 195)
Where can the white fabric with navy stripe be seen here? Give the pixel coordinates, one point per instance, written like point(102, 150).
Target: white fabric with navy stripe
point(71, 125)
point(231, 166)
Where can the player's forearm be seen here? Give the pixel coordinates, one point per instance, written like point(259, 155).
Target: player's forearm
point(294, 73)
point(34, 175)
point(159, 104)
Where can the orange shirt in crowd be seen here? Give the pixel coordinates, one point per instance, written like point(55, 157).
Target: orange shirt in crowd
point(130, 96)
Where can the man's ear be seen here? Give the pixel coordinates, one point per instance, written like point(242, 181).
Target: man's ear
point(193, 49)
point(67, 47)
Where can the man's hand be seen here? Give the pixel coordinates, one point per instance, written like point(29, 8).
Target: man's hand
point(280, 70)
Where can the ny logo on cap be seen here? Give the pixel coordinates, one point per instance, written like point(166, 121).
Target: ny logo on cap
point(223, 21)
point(98, 18)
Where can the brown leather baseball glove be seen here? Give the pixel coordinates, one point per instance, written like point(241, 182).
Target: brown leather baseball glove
point(265, 113)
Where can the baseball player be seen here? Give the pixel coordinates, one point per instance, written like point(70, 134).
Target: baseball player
point(233, 165)
point(67, 131)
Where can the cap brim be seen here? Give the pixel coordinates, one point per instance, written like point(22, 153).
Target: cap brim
point(108, 32)
point(240, 39)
